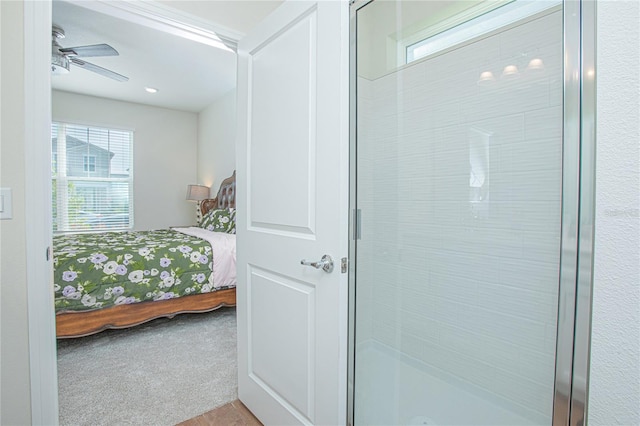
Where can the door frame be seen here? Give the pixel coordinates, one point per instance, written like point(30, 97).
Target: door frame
point(571, 386)
point(37, 22)
point(43, 373)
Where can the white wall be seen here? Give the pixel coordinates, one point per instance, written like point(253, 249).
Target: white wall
point(614, 391)
point(217, 141)
point(165, 151)
point(15, 407)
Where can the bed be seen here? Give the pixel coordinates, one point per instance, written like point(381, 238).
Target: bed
point(122, 279)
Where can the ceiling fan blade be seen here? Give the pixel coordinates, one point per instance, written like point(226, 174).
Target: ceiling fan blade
point(102, 71)
point(90, 51)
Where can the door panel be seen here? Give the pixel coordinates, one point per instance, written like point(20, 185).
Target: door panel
point(292, 177)
point(289, 377)
point(282, 139)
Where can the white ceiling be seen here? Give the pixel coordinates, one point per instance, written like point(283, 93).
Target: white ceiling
point(189, 75)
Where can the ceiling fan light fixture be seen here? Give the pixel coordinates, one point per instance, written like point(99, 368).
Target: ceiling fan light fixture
point(59, 64)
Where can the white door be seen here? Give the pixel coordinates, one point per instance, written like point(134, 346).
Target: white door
point(292, 177)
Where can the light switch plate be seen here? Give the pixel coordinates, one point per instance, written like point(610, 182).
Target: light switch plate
point(6, 212)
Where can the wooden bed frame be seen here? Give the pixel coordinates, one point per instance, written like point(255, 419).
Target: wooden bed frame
point(84, 323)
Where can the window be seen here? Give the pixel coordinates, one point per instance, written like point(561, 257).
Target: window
point(479, 20)
point(89, 163)
point(92, 172)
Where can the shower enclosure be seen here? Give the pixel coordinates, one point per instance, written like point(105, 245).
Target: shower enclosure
point(466, 142)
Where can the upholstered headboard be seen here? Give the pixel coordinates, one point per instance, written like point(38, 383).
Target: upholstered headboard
point(226, 197)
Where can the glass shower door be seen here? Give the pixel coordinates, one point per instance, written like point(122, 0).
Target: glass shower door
point(459, 189)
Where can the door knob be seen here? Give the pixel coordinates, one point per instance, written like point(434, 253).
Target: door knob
point(326, 263)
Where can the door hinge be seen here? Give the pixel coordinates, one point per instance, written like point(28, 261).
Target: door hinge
point(357, 218)
point(344, 263)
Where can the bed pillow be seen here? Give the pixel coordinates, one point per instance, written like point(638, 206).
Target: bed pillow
point(220, 220)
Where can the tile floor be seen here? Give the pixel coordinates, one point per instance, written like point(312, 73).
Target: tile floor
point(236, 414)
point(231, 414)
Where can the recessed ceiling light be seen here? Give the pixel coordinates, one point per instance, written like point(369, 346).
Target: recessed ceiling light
point(510, 71)
point(486, 77)
point(151, 89)
point(536, 64)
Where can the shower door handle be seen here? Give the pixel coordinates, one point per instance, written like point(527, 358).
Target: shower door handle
point(326, 263)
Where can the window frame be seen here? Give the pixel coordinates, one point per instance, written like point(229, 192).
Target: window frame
point(129, 179)
point(87, 163)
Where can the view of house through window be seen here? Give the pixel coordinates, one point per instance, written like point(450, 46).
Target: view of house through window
point(92, 172)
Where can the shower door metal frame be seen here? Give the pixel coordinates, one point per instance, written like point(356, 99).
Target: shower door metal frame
point(353, 226)
point(578, 215)
point(578, 212)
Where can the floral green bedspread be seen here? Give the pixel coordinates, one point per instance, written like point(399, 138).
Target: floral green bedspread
point(94, 271)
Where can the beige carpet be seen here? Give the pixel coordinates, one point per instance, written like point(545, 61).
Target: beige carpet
point(159, 373)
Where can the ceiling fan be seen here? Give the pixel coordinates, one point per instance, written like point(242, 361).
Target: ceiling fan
point(62, 57)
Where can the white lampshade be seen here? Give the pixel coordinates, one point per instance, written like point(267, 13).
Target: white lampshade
point(197, 192)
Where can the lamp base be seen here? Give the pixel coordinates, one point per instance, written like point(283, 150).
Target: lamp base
point(198, 213)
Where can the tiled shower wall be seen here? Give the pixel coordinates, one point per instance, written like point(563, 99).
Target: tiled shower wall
point(459, 184)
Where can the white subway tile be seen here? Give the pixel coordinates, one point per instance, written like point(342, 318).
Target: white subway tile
point(467, 287)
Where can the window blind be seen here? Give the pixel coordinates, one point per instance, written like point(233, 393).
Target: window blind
point(92, 172)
